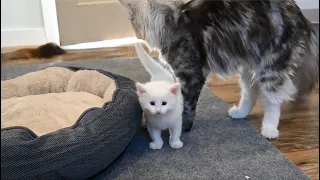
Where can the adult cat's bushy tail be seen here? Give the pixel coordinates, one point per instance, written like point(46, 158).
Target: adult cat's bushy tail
point(307, 75)
point(155, 68)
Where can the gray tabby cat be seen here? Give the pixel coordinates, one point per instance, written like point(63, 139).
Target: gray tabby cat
point(269, 43)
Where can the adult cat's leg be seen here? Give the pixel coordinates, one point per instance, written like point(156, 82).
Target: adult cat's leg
point(192, 81)
point(175, 133)
point(155, 135)
point(248, 97)
point(144, 121)
point(274, 91)
point(187, 64)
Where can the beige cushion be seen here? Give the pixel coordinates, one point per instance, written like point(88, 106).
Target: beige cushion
point(53, 98)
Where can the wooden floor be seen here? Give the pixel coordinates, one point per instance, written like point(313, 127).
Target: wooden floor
point(299, 125)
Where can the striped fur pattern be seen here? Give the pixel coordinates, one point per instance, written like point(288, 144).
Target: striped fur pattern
point(269, 43)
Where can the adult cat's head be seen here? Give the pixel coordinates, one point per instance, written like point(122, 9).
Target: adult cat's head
point(159, 97)
point(153, 20)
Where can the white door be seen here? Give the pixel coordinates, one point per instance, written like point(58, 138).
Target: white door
point(83, 21)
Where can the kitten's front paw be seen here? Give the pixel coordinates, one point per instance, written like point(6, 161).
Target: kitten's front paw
point(155, 145)
point(237, 113)
point(176, 144)
point(270, 131)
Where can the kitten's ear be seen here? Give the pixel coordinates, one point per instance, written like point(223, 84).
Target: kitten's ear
point(140, 88)
point(174, 89)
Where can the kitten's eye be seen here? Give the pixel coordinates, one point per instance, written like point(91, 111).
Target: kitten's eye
point(164, 103)
point(152, 103)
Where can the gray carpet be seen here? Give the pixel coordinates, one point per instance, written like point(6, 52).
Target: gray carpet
point(216, 148)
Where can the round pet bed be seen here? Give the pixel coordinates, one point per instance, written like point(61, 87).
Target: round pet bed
point(65, 122)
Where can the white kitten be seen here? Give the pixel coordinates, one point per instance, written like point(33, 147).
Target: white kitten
point(161, 101)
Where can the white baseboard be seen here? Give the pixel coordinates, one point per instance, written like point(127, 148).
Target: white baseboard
point(23, 37)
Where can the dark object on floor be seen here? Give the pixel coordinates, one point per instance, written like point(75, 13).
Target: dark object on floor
point(94, 141)
point(216, 148)
point(49, 50)
point(44, 51)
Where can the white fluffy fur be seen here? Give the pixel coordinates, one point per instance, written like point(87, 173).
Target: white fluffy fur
point(156, 71)
point(272, 106)
point(271, 100)
point(152, 95)
point(248, 98)
point(149, 23)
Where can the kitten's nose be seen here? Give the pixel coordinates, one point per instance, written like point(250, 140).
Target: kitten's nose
point(158, 112)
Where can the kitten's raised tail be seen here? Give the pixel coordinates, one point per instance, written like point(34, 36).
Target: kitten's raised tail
point(152, 66)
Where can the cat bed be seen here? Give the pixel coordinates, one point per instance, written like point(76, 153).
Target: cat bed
point(65, 123)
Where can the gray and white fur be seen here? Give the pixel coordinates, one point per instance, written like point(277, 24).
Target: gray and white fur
point(269, 43)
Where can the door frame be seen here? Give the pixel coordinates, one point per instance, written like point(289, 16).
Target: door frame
point(50, 21)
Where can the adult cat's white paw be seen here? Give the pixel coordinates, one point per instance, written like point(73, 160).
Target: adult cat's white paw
point(155, 145)
point(176, 144)
point(270, 131)
point(237, 113)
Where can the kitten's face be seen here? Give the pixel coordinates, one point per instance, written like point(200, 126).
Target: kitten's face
point(158, 98)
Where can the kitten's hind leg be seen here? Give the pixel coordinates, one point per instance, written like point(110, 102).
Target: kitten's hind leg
point(248, 97)
point(274, 91)
point(155, 135)
point(175, 133)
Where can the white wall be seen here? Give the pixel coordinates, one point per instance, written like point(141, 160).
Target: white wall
point(22, 23)
point(310, 8)
point(308, 4)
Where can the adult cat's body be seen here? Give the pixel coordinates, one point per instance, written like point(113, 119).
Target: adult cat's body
point(270, 43)
point(162, 102)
